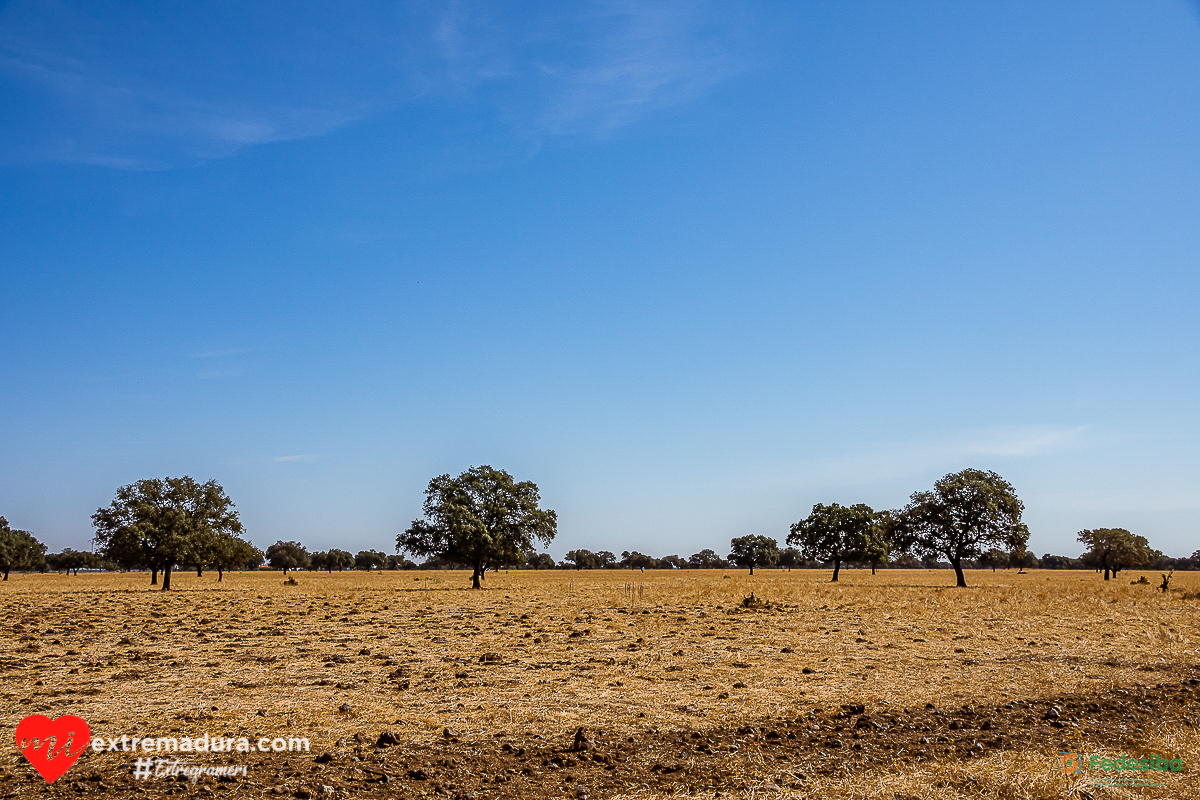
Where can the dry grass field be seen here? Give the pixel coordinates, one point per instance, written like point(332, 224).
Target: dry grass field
point(893, 686)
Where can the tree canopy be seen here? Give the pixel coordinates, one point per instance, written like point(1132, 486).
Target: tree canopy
point(482, 518)
point(19, 550)
point(836, 533)
point(161, 522)
point(72, 560)
point(753, 551)
point(332, 559)
point(707, 559)
point(288, 555)
point(994, 559)
point(370, 559)
point(1115, 549)
point(230, 552)
point(636, 560)
point(539, 561)
point(966, 514)
point(582, 559)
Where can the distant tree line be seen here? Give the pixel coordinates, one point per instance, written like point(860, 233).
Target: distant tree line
point(970, 520)
point(484, 520)
point(295, 556)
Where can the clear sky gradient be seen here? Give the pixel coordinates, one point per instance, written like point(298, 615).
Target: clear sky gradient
point(690, 267)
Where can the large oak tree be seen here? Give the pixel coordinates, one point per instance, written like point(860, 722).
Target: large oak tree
point(965, 515)
point(1115, 549)
point(482, 518)
point(836, 533)
point(160, 522)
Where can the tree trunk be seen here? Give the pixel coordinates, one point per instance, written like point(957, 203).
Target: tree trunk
point(154, 576)
point(6, 573)
point(837, 567)
point(475, 577)
point(167, 577)
point(958, 572)
point(199, 572)
point(872, 567)
point(220, 574)
point(1105, 572)
point(751, 569)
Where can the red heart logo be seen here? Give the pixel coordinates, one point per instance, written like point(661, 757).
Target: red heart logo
point(47, 743)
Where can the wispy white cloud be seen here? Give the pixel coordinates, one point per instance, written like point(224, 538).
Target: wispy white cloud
point(952, 452)
point(1133, 500)
point(134, 88)
point(599, 68)
point(1018, 442)
point(145, 87)
point(300, 459)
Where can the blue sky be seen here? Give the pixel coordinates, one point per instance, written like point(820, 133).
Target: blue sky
point(690, 267)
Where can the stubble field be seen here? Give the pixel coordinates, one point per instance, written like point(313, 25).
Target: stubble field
point(895, 686)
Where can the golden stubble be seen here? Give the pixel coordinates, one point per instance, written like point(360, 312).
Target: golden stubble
point(337, 654)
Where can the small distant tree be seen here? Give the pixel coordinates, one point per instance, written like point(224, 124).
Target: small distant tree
point(71, 561)
point(966, 514)
point(790, 558)
point(540, 561)
point(230, 552)
point(707, 559)
point(161, 522)
point(337, 560)
point(672, 562)
point(994, 559)
point(370, 559)
point(1051, 561)
point(483, 518)
point(907, 561)
point(287, 555)
point(1163, 561)
point(582, 559)
point(1115, 549)
point(19, 550)
point(835, 533)
point(877, 551)
point(608, 559)
point(753, 551)
point(636, 560)
point(399, 562)
point(1023, 560)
